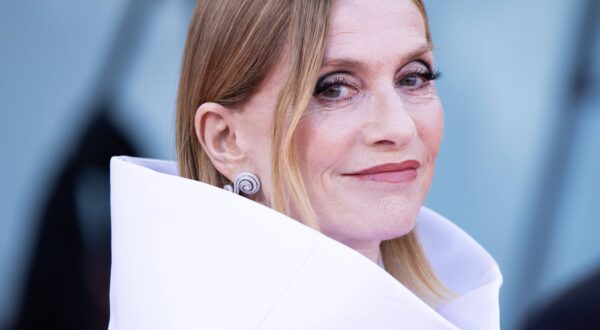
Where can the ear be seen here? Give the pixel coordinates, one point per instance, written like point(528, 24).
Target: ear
point(215, 130)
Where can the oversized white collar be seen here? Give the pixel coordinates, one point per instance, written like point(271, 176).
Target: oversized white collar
point(187, 255)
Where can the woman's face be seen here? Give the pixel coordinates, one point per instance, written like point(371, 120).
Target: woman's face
point(369, 140)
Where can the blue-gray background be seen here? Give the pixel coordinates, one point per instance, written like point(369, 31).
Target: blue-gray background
point(518, 169)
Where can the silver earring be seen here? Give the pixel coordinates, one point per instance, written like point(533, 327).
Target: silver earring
point(245, 182)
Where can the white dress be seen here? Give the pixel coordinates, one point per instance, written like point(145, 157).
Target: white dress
point(187, 255)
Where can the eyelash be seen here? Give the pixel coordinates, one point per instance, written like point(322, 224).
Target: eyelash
point(325, 85)
point(425, 73)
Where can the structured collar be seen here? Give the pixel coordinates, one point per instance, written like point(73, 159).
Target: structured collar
point(190, 255)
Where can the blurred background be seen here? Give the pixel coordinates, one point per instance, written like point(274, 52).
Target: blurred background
point(518, 169)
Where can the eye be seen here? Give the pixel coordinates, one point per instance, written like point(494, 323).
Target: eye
point(417, 75)
point(411, 81)
point(336, 88)
point(334, 91)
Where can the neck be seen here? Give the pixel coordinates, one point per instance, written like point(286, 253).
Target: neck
point(370, 250)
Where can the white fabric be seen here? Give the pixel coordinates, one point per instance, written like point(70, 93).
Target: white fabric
point(187, 255)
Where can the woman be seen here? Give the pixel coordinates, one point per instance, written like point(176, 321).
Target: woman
point(325, 111)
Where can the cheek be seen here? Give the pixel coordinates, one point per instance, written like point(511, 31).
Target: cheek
point(430, 126)
point(322, 143)
point(436, 131)
point(429, 121)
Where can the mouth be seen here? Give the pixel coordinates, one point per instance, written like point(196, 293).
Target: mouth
point(403, 172)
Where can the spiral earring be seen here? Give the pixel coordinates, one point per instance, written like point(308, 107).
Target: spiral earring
point(245, 182)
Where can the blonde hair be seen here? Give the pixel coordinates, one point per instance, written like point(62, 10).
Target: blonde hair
point(231, 47)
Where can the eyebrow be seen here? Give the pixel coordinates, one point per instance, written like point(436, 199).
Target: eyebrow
point(354, 63)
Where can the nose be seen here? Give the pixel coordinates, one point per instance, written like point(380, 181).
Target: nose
point(389, 124)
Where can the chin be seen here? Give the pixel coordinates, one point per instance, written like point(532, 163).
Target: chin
point(396, 216)
point(387, 223)
point(399, 226)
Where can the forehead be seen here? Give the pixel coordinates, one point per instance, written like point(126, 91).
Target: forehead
point(371, 29)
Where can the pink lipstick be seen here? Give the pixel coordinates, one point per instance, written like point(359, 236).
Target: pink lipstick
point(405, 171)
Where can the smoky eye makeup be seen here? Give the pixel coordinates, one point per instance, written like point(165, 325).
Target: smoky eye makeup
point(332, 78)
point(334, 87)
point(339, 86)
point(416, 74)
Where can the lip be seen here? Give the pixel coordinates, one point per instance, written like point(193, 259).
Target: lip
point(405, 171)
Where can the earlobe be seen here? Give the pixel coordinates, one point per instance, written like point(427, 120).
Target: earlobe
point(216, 133)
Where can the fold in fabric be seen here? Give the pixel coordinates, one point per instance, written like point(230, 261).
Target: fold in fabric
point(187, 255)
